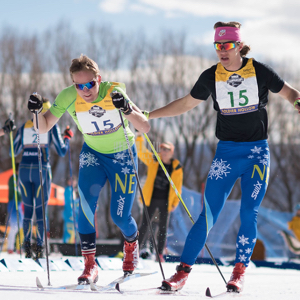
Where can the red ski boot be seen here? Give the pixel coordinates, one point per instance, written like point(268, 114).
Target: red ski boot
point(90, 272)
point(236, 282)
point(131, 256)
point(177, 281)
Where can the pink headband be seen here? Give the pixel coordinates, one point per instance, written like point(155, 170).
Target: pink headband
point(227, 33)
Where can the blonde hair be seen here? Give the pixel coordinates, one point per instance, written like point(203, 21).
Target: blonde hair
point(84, 63)
point(245, 48)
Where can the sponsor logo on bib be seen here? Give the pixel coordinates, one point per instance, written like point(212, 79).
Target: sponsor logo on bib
point(97, 111)
point(235, 80)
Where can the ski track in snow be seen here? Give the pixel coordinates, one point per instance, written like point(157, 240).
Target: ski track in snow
point(260, 283)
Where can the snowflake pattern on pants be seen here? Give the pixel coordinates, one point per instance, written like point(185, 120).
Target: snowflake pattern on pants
point(124, 159)
point(87, 159)
point(218, 169)
point(245, 249)
point(263, 158)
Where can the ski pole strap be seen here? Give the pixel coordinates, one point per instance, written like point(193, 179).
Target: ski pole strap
point(297, 102)
point(146, 113)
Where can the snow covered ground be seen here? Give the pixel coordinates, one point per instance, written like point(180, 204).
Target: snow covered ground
point(261, 283)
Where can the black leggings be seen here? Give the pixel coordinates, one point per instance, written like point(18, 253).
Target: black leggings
point(163, 214)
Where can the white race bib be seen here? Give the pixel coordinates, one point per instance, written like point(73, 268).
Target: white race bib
point(30, 136)
point(98, 118)
point(237, 92)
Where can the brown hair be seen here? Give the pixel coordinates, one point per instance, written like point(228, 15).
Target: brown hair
point(84, 63)
point(245, 48)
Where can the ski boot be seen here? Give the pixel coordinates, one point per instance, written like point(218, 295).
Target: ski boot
point(90, 272)
point(236, 282)
point(39, 252)
point(145, 253)
point(177, 281)
point(27, 250)
point(131, 255)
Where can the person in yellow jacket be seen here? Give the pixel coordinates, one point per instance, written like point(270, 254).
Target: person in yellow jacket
point(294, 224)
point(157, 191)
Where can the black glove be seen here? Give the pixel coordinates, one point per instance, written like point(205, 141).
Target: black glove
point(119, 101)
point(68, 133)
point(35, 103)
point(9, 126)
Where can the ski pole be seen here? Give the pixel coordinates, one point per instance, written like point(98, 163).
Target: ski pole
point(42, 193)
point(142, 196)
point(15, 184)
point(180, 198)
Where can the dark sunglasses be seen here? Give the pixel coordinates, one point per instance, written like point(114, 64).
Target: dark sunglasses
point(226, 46)
point(89, 85)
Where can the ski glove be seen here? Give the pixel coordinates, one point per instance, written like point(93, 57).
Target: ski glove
point(68, 133)
point(9, 126)
point(121, 103)
point(35, 103)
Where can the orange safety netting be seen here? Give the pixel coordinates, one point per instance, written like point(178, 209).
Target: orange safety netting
point(56, 194)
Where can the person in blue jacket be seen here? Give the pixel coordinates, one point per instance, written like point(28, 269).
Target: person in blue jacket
point(29, 176)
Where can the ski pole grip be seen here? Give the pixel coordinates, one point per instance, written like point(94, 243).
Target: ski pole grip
point(297, 102)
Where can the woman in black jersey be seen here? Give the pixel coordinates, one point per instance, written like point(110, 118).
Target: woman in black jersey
point(239, 89)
